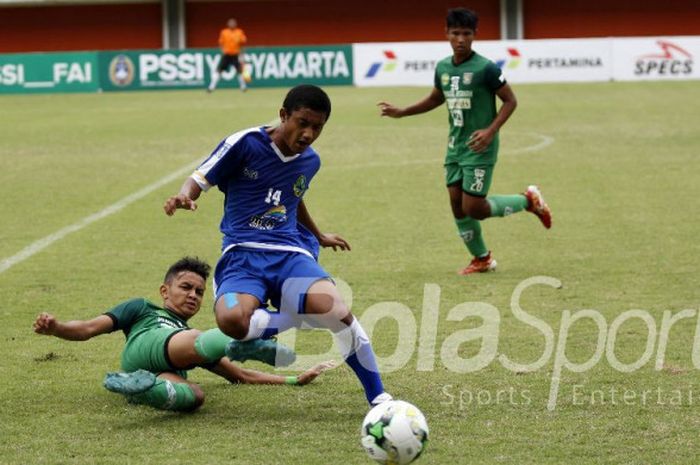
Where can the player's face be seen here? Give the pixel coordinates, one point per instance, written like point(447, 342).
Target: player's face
point(461, 39)
point(183, 294)
point(299, 129)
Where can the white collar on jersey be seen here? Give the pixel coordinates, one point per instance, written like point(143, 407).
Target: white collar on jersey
point(281, 155)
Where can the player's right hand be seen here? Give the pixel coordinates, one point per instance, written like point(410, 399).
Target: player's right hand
point(178, 201)
point(313, 372)
point(387, 109)
point(45, 323)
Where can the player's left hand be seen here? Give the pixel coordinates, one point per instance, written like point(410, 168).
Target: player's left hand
point(45, 323)
point(313, 372)
point(480, 140)
point(333, 240)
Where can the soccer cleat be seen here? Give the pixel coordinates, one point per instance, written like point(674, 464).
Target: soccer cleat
point(479, 265)
point(263, 350)
point(537, 205)
point(383, 397)
point(129, 383)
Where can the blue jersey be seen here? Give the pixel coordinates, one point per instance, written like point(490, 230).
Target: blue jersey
point(262, 190)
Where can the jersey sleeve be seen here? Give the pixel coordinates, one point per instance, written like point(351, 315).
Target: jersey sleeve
point(126, 314)
point(436, 80)
point(494, 77)
point(222, 162)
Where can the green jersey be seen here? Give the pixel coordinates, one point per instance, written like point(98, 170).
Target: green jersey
point(137, 316)
point(147, 328)
point(470, 94)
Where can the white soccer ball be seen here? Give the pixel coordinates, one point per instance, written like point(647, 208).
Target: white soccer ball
point(394, 433)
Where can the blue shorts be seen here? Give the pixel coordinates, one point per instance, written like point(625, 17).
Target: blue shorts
point(281, 277)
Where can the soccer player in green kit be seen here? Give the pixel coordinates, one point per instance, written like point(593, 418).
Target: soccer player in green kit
point(469, 83)
point(161, 347)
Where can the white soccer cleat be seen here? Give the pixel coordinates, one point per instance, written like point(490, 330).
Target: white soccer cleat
point(383, 397)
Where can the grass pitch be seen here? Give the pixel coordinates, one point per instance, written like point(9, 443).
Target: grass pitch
point(617, 163)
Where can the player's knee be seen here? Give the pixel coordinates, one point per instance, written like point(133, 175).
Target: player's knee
point(233, 325)
point(478, 210)
point(198, 396)
point(233, 321)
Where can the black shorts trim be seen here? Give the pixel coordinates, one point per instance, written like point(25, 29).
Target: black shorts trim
point(227, 61)
point(165, 351)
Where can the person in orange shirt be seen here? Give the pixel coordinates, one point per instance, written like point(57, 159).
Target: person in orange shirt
point(231, 39)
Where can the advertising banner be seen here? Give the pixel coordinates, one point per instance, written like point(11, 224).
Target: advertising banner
point(656, 58)
point(413, 63)
point(48, 72)
point(560, 60)
point(183, 69)
point(397, 63)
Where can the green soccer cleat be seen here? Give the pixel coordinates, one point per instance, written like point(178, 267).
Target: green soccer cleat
point(135, 382)
point(263, 350)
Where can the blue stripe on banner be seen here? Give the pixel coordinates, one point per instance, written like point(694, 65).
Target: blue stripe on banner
point(373, 70)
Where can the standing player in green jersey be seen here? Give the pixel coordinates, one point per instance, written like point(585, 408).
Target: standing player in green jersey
point(161, 348)
point(469, 83)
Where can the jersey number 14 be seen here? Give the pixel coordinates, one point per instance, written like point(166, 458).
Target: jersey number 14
point(273, 196)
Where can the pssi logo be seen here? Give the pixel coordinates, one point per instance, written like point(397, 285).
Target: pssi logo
point(386, 66)
point(672, 61)
point(513, 61)
point(121, 71)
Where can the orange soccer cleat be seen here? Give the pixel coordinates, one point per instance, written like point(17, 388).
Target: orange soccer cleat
point(479, 265)
point(537, 205)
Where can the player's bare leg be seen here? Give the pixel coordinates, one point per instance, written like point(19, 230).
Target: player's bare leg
point(233, 316)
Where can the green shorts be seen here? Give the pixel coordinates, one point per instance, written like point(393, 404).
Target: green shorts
point(474, 179)
point(148, 351)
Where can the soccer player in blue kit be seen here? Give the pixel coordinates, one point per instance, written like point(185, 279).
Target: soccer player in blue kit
point(271, 243)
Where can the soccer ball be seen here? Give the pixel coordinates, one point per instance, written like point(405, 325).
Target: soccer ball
point(394, 433)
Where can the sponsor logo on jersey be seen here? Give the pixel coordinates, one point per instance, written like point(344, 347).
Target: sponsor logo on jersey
point(164, 322)
point(672, 61)
point(445, 79)
point(272, 218)
point(467, 78)
point(250, 173)
point(300, 185)
point(121, 71)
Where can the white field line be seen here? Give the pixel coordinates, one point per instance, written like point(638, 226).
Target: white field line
point(44, 242)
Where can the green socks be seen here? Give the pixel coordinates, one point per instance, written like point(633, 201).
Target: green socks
point(470, 232)
point(166, 395)
point(504, 205)
point(470, 229)
point(211, 344)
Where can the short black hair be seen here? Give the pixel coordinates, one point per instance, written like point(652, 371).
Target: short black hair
point(461, 17)
point(307, 96)
point(193, 264)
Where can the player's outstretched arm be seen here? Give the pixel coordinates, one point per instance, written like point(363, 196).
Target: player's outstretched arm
point(235, 374)
point(432, 101)
point(185, 199)
point(77, 330)
point(324, 239)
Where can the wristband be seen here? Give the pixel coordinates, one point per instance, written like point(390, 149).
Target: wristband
point(293, 380)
